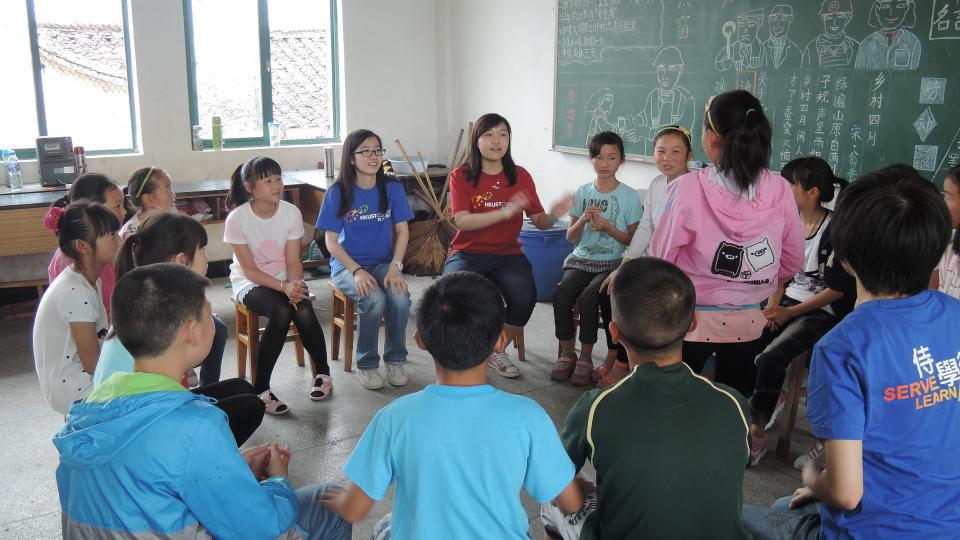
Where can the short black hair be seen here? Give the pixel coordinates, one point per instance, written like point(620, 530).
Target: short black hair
point(84, 220)
point(459, 319)
point(891, 227)
point(653, 304)
point(602, 138)
point(813, 172)
point(151, 303)
point(160, 237)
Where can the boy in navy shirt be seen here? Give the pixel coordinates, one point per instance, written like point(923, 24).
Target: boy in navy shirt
point(460, 450)
point(884, 383)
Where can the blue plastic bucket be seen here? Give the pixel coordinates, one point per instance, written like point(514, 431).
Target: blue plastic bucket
point(546, 251)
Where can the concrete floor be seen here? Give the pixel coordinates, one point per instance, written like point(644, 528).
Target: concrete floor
point(321, 435)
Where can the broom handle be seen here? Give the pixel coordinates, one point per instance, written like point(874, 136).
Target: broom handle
point(450, 168)
point(428, 181)
point(415, 174)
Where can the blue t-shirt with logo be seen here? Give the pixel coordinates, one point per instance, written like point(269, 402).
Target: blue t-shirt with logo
point(366, 234)
point(460, 456)
point(621, 207)
point(888, 375)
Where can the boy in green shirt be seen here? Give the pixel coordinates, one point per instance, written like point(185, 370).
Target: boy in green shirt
point(669, 446)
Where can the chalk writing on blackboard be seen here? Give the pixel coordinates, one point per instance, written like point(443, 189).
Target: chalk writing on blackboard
point(747, 51)
point(668, 103)
point(925, 124)
point(832, 49)
point(599, 106)
point(932, 90)
point(945, 20)
point(924, 157)
point(891, 46)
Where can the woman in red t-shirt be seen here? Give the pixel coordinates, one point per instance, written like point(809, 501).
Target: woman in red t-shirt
point(487, 196)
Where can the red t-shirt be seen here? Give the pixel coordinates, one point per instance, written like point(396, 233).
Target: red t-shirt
point(492, 192)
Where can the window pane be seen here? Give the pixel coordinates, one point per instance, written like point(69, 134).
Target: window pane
point(302, 78)
point(20, 120)
point(84, 71)
point(227, 51)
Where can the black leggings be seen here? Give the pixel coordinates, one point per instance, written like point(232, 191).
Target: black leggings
point(735, 367)
point(276, 307)
point(581, 288)
point(244, 408)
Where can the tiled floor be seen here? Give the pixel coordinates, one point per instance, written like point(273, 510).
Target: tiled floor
point(321, 435)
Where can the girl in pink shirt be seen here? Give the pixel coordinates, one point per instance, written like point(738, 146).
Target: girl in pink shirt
point(735, 230)
point(96, 188)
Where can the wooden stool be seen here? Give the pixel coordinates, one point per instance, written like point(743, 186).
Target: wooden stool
point(11, 311)
point(343, 316)
point(518, 344)
point(796, 389)
point(248, 337)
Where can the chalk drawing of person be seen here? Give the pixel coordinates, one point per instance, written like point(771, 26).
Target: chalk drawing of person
point(833, 49)
point(780, 49)
point(747, 51)
point(891, 46)
point(666, 104)
point(599, 106)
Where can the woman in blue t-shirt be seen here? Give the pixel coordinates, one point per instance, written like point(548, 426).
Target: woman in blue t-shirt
point(365, 218)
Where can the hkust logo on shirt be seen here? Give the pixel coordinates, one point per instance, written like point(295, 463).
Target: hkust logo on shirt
point(484, 201)
point(937, 381)
point(360, 214)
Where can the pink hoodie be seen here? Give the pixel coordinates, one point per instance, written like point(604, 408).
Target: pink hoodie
point(736, 251)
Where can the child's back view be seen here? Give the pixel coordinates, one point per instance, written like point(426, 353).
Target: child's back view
point(460, 451)
point(669, 446)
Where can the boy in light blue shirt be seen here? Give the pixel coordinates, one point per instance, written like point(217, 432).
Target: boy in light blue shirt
point(460, 450)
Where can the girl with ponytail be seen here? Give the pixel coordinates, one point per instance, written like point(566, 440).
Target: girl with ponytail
point(93, 187)
point(734, 229)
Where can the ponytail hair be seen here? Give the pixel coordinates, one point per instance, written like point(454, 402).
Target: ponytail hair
point(159, 239)
point(91, 186)
point(813, 172)
point(474, 162)
point(141, 182)
point(738, 118)
point(86, 221)
point(249, 172)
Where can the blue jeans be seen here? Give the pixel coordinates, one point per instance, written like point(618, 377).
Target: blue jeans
point(779, 522)
point(210, 368)
point(512, 274)
point(379, 304)
point(316, 520)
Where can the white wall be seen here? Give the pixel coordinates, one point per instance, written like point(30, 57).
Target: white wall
point(388, 77)
point(501, 59)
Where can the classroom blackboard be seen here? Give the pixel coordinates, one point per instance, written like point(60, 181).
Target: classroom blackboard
point(861, 83)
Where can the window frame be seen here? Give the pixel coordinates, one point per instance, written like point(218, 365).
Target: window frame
point(31, 153)
point(266, 79)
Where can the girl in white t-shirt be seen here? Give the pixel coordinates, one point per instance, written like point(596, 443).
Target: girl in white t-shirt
point(149, 189)
point(946, 277)
point(267, 274)
point(71, 320)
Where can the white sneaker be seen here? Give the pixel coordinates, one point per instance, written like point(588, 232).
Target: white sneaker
point(812, 454)
point(370, 379)
point(396, 375)
point(501, 363)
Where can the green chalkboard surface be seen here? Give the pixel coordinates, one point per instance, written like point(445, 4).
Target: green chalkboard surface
point(861, 83)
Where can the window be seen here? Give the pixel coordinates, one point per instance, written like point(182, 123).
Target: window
point(256, 62)
point(66, 73)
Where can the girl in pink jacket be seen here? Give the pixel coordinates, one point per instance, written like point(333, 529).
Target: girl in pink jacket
point(735, 230)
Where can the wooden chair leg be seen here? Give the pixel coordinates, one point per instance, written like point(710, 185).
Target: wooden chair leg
point(253, 332)
point(349, 324)
point(335, 328)
point(298, 346)
point(518, 343)
point(241, 346)
point(794, 391)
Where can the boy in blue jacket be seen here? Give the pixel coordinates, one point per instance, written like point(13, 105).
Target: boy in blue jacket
point(143, 457)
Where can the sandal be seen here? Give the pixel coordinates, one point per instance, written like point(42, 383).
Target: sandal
point(602, 371)
point(322, 388)
point(582, 373)
point(564, 366)
point(273, 406)
point(613, 376)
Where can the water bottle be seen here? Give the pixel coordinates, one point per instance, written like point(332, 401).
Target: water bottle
point(216, 128)
point(14, 176)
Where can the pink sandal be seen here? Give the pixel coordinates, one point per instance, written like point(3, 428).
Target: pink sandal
point(274, 407)
point(322, 388)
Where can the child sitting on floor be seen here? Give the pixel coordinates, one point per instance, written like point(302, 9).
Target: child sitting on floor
point(459, 450)
point(143, 457)
point(669, 446)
